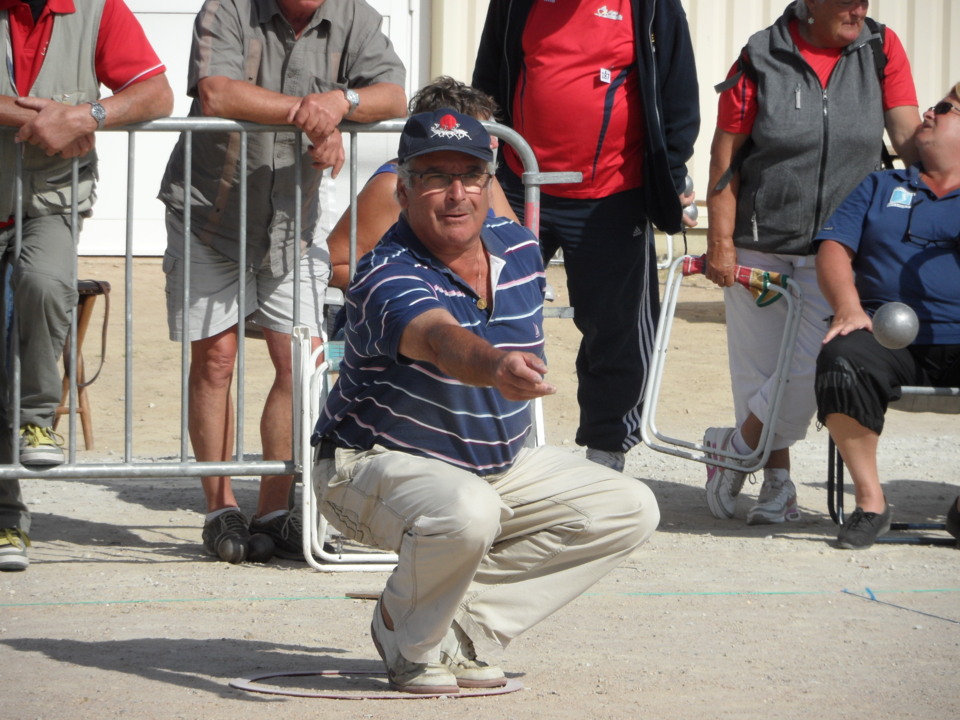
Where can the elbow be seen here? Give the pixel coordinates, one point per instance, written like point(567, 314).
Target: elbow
point(165, 102)
point(209, 94)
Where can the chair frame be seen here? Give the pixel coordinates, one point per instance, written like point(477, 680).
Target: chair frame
point(914, 398)
point(312, 379)
point(750, 462)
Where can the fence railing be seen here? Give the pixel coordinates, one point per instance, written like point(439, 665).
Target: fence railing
point(242, 464)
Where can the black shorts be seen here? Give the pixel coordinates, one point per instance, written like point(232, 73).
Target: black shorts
point(858, 377)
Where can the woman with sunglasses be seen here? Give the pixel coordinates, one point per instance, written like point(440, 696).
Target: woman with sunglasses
point(801, 121)
point(895, 238)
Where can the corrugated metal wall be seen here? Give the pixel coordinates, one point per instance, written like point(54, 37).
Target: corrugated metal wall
point(930, 30)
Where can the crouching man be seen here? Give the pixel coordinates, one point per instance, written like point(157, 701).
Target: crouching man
point(423, 441)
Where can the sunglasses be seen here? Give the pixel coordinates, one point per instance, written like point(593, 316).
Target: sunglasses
point(939, 243)
point(943, 107)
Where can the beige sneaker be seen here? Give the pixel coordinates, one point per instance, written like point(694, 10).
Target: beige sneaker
point(40, 446)
point(13, 550)
point(407, 676)
point(458, 654)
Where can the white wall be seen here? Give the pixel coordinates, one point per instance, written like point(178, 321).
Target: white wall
point(436, 37)
point(169, 27)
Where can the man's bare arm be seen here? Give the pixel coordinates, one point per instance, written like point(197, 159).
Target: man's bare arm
point(67, 129)
point(437, 338)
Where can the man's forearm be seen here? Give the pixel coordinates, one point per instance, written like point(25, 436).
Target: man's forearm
point(140, 102)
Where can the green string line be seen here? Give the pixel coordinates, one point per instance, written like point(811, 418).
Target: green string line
point(724, 593)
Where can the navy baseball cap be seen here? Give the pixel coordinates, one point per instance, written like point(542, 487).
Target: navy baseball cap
point(444, 129)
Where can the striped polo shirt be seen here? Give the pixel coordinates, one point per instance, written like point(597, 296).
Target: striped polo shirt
point(383, 398)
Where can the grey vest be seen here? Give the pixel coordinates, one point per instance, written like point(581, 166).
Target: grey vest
point(811, 146)
point(67, 76)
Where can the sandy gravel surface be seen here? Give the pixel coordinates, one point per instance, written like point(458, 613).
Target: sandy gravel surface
point(121, 615)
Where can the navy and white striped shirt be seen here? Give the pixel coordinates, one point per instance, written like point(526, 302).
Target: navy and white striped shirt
point(387, 399)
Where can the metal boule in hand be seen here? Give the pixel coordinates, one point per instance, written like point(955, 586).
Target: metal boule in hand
point(895, 325)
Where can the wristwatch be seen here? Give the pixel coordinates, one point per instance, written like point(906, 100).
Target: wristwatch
point(98, 113)
point(353, 97)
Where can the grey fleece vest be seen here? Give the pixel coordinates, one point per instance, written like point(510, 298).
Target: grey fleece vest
point(67, 76)
point(811, 146)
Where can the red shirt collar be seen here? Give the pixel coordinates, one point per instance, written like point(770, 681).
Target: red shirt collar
point(55, 6)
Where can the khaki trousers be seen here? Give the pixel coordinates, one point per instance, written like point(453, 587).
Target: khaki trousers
point(496, 555)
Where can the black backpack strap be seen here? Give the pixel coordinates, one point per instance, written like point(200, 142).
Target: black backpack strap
point(876, 45)
point(880, 62)
point(744, 68)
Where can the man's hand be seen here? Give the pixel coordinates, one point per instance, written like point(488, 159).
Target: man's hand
point(57, 128)
point(318, 114)
point(519, 376)
point(329, 153)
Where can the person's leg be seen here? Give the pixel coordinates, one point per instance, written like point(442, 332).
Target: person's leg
point(44, 293)
point(755, 337)
point(798, 404)
point(276, 424)
point(610, 263)
point(856, 378)
point(571, 522)
point(274, 316)
point(210, 410)
point(858, 448)
point(211, 326)
point(441, 522)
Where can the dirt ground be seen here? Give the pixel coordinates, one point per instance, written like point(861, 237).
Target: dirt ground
point(121, 615)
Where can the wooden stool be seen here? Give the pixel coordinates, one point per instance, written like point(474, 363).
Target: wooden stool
point(88, 290)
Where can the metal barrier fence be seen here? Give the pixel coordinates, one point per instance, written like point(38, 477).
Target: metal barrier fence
point(184, 465)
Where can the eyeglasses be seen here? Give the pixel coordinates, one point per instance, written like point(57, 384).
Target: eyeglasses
point(943, 107)
point(473, 182)
point(941, 243)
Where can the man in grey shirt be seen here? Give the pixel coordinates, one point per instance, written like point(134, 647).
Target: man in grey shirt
point(307, 63)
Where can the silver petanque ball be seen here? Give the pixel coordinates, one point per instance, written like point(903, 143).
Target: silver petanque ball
point(691, 211)
point(687, 185)
point(895, 325)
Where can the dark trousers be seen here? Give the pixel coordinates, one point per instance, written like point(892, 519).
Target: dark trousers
point(858, 377)
point(610, 261)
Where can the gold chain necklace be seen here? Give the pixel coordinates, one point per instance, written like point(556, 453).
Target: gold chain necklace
point(481, 303)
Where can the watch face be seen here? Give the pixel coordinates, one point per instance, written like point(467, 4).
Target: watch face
point(353, 98)
point(98, 113)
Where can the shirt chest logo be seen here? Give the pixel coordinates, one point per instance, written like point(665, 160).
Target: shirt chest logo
point(901, 197)
point(607, 14)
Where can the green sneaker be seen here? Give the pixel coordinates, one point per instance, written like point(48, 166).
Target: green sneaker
point(40, 446)
point(13, 550)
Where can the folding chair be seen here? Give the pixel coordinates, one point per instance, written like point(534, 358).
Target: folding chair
point(313, 381)
point(768, 288)
point(914, 399)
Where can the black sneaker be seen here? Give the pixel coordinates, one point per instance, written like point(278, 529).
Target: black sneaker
point(863, 528)
point(227, 537)
point(286, 532)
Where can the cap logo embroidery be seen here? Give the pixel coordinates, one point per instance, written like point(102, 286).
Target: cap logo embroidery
point(448, 127)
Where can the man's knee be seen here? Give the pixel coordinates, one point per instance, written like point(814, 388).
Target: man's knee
point(625, 513)
point(53, 295)
point(470, 517)
point(643, 512)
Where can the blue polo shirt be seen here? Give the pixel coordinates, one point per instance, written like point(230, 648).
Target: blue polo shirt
point(906, 244)
point(384, 398)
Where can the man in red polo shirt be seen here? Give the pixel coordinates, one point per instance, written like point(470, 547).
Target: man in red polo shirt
point(58, 54)
point(609, 89)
